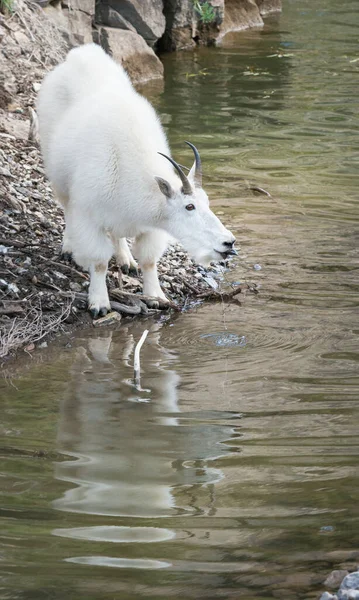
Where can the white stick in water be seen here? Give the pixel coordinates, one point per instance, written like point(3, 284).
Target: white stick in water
point(136, 363)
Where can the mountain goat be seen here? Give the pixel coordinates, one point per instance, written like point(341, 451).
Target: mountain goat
point(108, 161)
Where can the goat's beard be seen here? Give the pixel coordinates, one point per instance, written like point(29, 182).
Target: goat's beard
point(203, 259)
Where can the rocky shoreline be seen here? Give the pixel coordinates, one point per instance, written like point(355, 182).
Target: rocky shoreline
point(41, 294)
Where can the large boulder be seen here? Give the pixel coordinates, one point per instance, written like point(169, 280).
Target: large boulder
point(241, 14)
point(105, 15)
point(131, 51)
point(186, 25)
point(144, 16)
point(180, 25)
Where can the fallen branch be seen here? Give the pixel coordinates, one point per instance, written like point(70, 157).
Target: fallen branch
point(64, 266)
point(17, 244)
point(218, 295)
point(125, 309)
point(128, 297)
point(256, 188)
point(136, 362)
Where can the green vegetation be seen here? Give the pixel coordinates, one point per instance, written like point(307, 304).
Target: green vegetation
point(7, 6)
point(205, 10)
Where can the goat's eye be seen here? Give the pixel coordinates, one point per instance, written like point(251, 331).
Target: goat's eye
point(190, 207)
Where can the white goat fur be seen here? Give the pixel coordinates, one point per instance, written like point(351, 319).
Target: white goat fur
point(100, 141)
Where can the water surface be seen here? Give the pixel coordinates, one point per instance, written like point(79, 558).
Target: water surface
point(233, 473)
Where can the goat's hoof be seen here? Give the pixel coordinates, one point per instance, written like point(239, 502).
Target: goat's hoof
point(93, 312)
point(66, 256)
point(125, 269)
point(134, 271)
point(153, 303)
point(97, 313)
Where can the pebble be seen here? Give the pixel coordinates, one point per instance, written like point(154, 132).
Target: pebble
point(75, 287)
point(29, 347)
point(257, 267)
point(12, 287)
point(211, 282)
point(5, 172)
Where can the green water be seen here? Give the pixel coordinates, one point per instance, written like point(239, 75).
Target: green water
point(234, 472)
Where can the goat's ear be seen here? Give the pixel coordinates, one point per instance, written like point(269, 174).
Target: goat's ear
point(165, 187)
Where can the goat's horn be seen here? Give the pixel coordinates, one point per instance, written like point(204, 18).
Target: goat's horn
point(186, 186)
point(198, 169)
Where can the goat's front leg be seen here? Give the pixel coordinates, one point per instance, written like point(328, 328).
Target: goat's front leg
point(149, 247)
point(99, 303)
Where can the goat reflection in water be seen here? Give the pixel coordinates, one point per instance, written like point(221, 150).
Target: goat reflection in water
point(134, 456)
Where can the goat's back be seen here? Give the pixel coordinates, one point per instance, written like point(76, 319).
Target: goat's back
point(85, 70)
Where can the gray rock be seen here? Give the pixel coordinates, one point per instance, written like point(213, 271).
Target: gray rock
point(86, 6)
point(75, 17)
point(79, 24)
point(145, 16)
point(130, 50)
point(184, 24)
point(327, 596)
point(106, 15)
point(241, 14)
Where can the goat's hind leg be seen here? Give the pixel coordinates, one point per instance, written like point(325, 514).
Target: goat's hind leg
point(92, 249)
point(123, 255)
point(66, 248)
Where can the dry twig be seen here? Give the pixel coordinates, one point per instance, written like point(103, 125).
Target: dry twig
point(30, 328)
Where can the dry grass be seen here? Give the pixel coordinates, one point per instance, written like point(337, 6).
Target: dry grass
point(31, 328)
